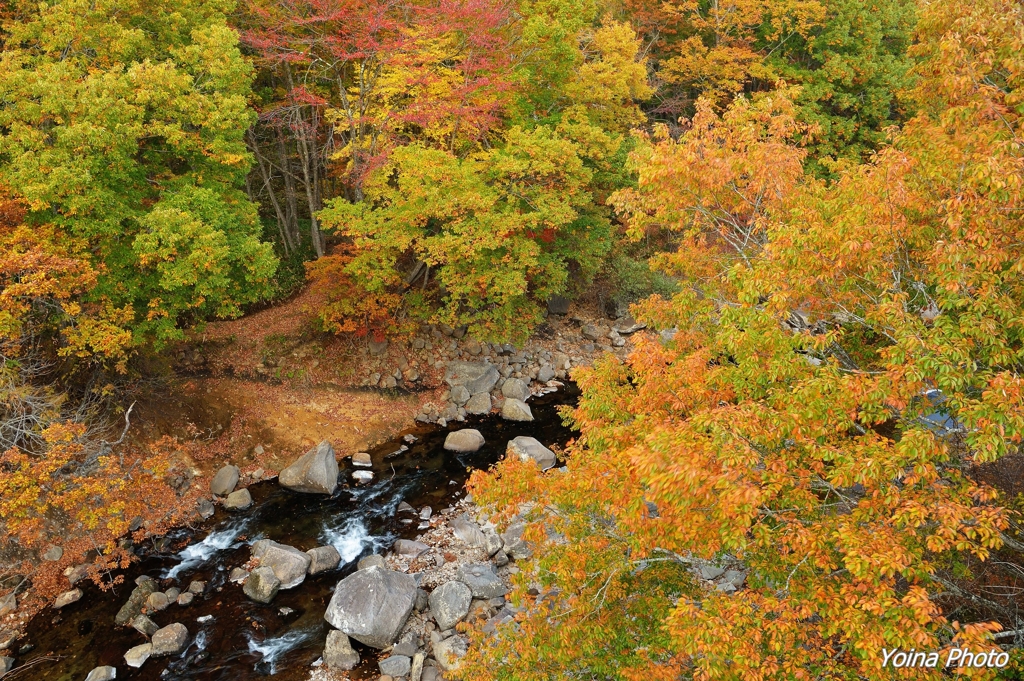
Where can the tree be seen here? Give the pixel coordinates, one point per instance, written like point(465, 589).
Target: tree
point(812, 420)
point(124, 131)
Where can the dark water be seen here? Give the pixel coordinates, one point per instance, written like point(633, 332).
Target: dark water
point(247, 640)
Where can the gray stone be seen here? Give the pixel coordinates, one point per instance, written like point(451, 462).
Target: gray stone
point(407, 646)
point(396, 665)
point(362, 459)
point(515, 389)
point(468, 532)
point(476, 377)
point(239, 500)
point(430, 674)
point(105, 673)
point(6, 663)
point(157, 601)
point(322, 559)
point(530, 449)
point(261, 585)
point(77, 573)
point(514, 544)
point(137, 656)
point(362, 476)
point(315, 472)
point(449, 603)
point(169, 640)
point(516, 410)
point(53, 554)
point(372, 605)
point(67, 598)
point(223, 483)
point(592, 332)
point(449, 652)
point(734, 577)
point(338, 653)
point(493, 542)
point(627, 325)
point(205, 508)
point(238, 575)
point(416, 670)
point(481, 580)
point(710, 572)
point(480, 403)
point(409, 549)
point(185, 599)
point(465, 440)
point(558, 305)
point(196, 586)
point(145, 626)
point(173, 593)
point(370, 561)
point(133, 608)
point(288, 563)
point(459, 395)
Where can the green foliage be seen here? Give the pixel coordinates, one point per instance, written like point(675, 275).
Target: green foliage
point(124, 128)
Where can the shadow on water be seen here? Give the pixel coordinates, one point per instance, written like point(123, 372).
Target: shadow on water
point(233, 638)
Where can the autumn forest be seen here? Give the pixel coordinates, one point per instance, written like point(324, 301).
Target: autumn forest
point(814, 209)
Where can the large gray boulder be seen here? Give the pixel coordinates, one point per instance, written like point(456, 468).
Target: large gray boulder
point(395, 665)
point(516, 410)
point(338, 653)
point(465, 440)
point(530, 449)
point(239, 500)
point(468, 532)
point(476, 377)
point(479, 403)
point(449, 603)
point(224, 481)
point(288, 563)
point(261, 585)
point(323, 558)
point(515, 389)
point(170, 640)
point(408, 548)
point(481, 580)
point(315, 472)
point(372, 605)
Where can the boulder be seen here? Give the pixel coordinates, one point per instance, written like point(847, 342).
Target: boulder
point(395, 665)
point(338, 653)
point(416, 670)
point(223, 483)
point(67, 598)
point(105, 673)
point(185, 599)
point(169, 640)
point(196, 586)
point(138, 598)
point(465, 440)
point(449, 652)
point(459, 395)
point(205, 509)
point(137, 656)
point(238, 575)
point(481, 580)
point(516, 410)
point(514, 389)
point(370, 561)
point(239, 500)
point(315, 472)
point(468, 532)
point(494, 542)
point(145, 626)
point(157, 601)
point(409, 549)
point(627, 325)
point(545, 373)
point(479, 403)
point(322, 559)
point(173, 593)
point(407, 646)
point(476, 377)
point(288, 563)
point(514, 544)
point(372, 605)
point(261, 585)
point(53, 554)
point(530, 449)
point(449, 603)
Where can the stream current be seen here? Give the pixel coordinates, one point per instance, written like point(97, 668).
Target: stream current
point(233, 638)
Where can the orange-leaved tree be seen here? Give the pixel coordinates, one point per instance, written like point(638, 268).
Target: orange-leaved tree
point(808, 417)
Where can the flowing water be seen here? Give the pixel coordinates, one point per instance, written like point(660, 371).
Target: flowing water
point(233, 638)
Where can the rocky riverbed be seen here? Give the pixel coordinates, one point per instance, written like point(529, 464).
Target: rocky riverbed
point(276, 581)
